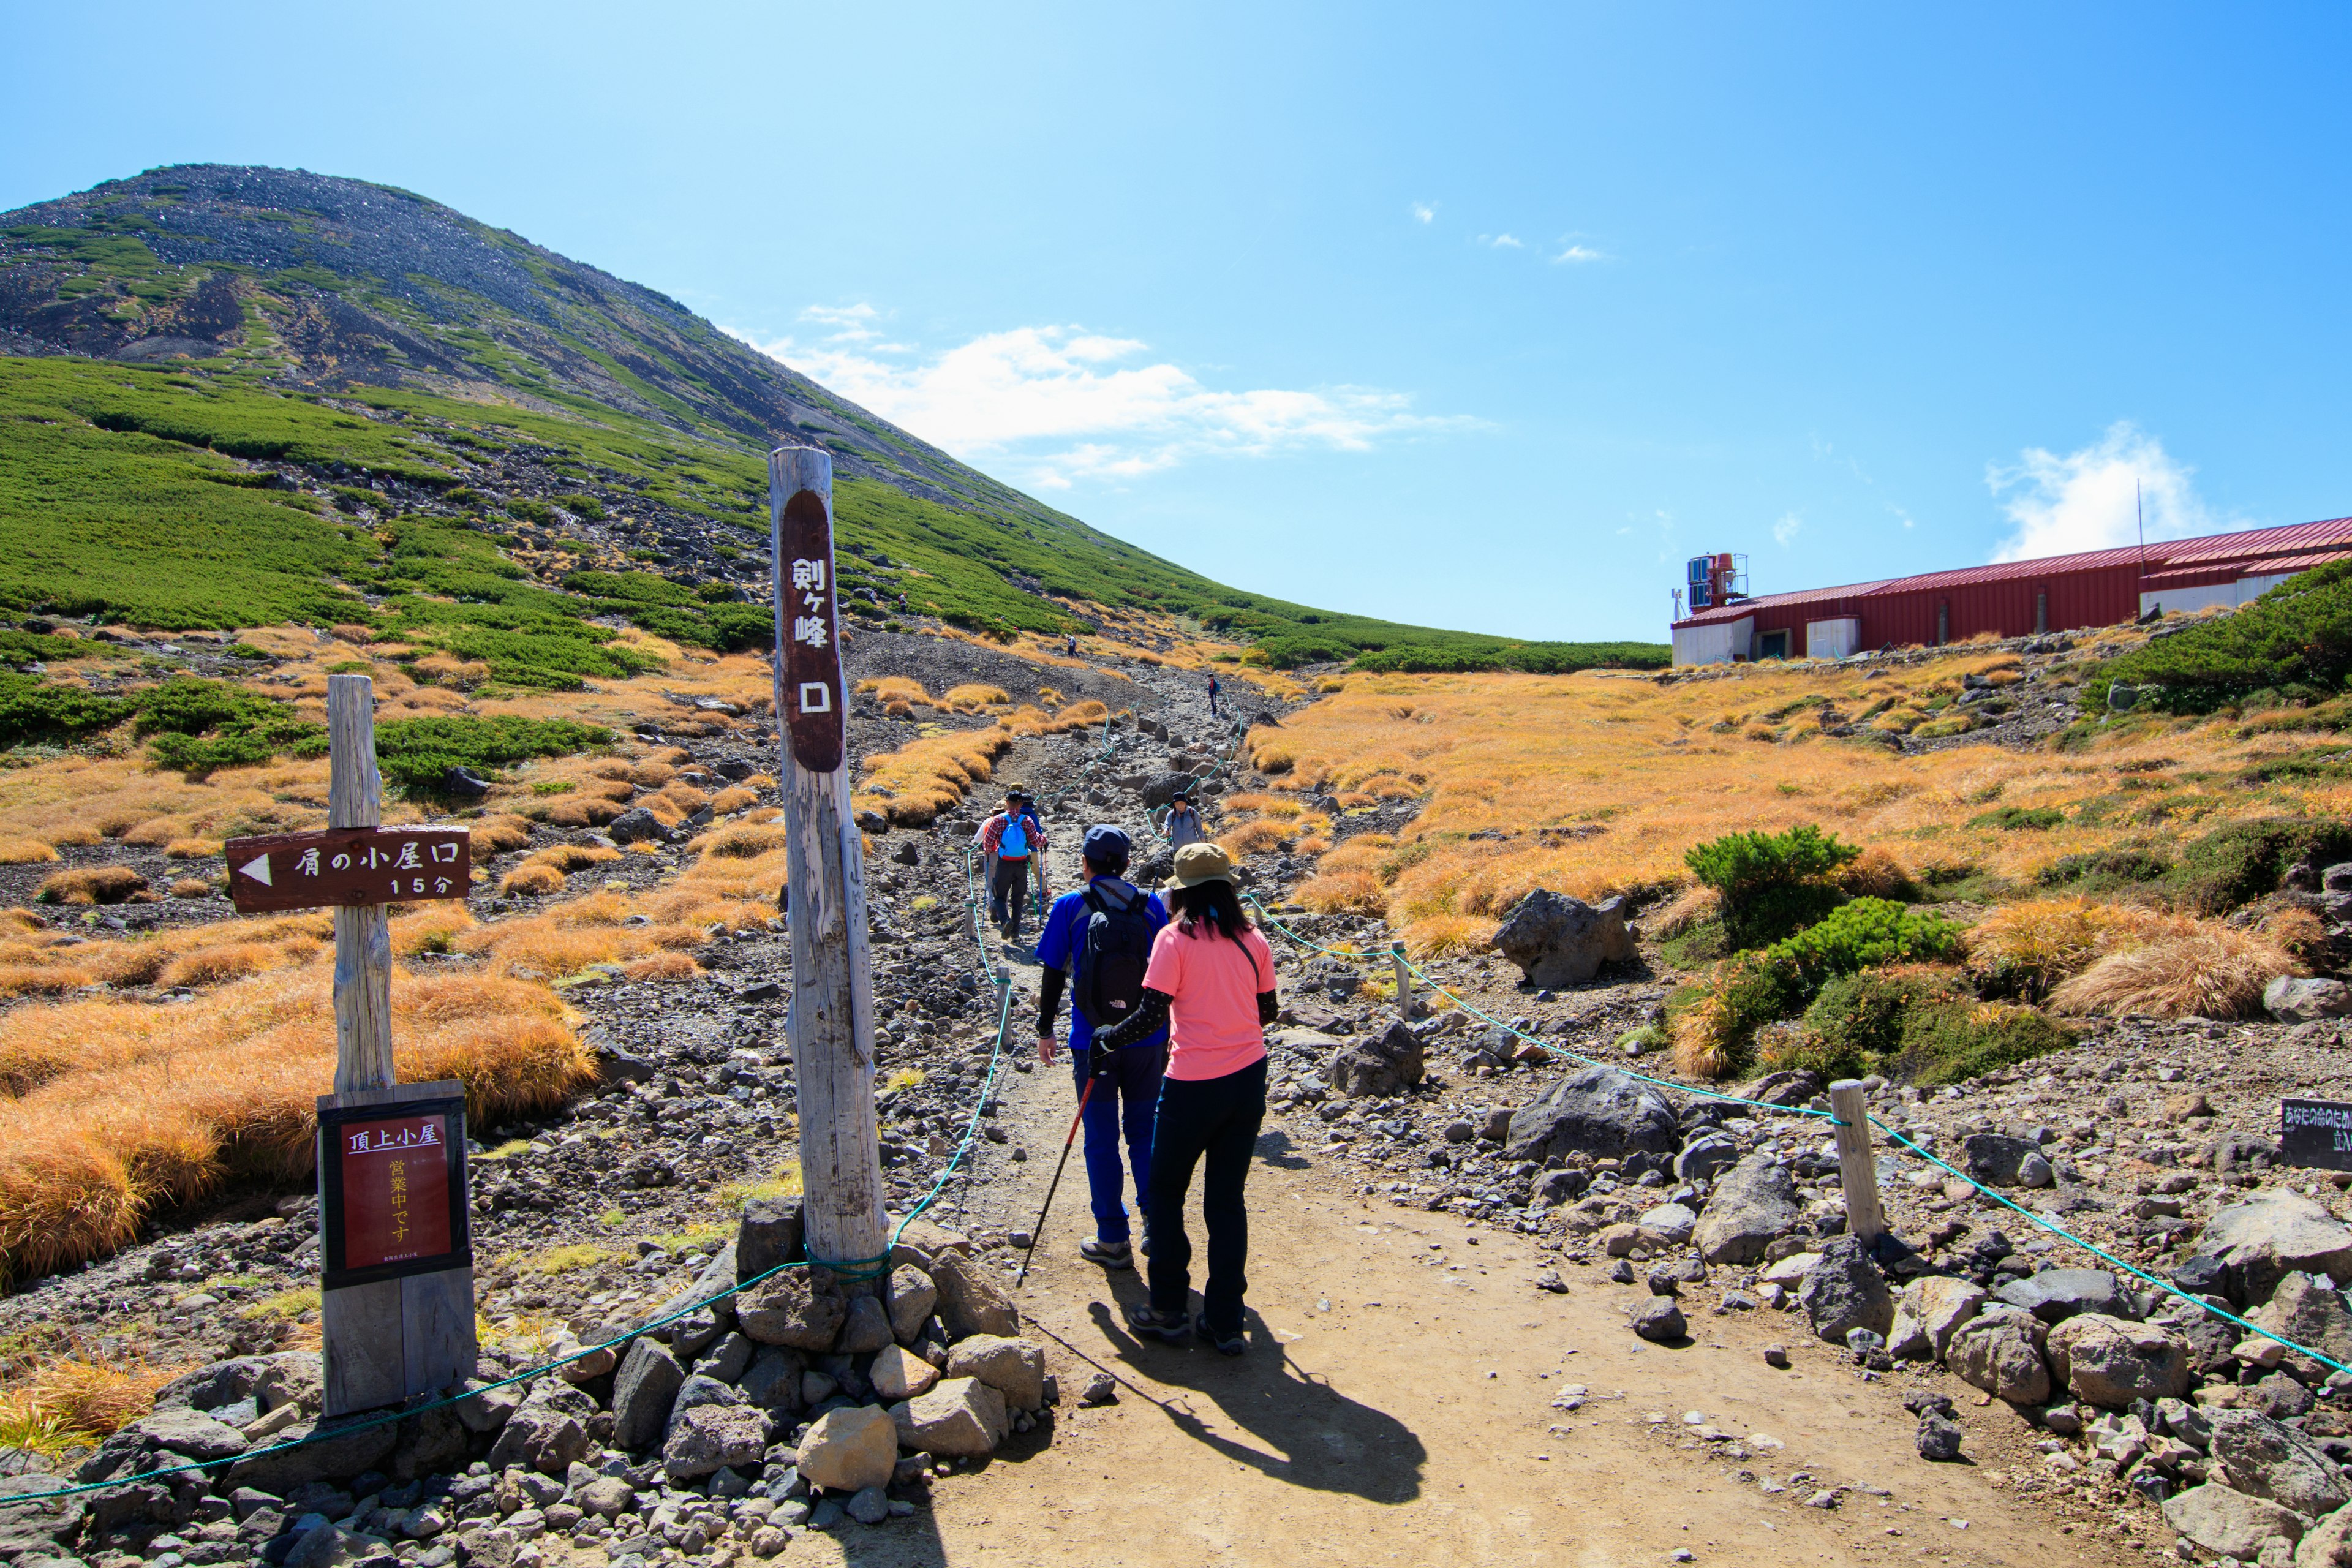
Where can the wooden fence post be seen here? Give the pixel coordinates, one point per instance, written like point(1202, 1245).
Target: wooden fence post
point(363, 931)
point(830, 1024)
point(1403, 981)
point(1856, 1170)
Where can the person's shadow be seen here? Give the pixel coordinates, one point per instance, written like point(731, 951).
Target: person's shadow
point(1274, 1147)
point(1306, 1433)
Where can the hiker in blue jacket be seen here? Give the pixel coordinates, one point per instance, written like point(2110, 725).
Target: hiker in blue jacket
point(1092, 944)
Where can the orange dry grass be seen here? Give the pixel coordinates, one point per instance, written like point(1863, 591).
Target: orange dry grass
point(929, 774)
point(2211, 972)
point(2040, 941)
point(498, 835)
point(92, 885)
point(901, 689)
point(74, 1401)
point(531, 881)
point(25, 852)
point(1659, 768)
point(733, 799)
point(117, 1108)
point(80, 800)
point(973, 696)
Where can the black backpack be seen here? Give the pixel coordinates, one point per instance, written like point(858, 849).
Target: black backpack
point(1113, 951)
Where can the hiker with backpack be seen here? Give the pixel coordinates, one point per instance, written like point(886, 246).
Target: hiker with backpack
point(1182, 825)
point(1008, 842)
point(1098, 939)
point(1210, 984)
point(1214, 689)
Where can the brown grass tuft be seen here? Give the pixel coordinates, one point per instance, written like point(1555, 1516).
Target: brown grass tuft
point(192, 849)
point(2211, 972)
point(661, 966)
point(498, 835)
point(75, 1401)
point(25, 852)
point(2298, 931)
point(733, 799)
point(531, 881)
point(1875, 874)
point(190, 888)
point(743, 840)
point(92, 884)
point(211, 965)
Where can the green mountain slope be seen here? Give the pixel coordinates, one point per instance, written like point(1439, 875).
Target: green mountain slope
point(236, 395)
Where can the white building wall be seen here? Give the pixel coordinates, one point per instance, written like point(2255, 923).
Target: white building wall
point(2189, 601)
point(1839, 638)
point(1716, 642)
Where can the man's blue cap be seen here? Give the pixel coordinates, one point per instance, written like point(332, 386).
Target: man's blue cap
point(1106, 845)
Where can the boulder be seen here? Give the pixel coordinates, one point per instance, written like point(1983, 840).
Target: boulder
point(1941, 1305)
point(1559, 940)
point(607, 1496)
point(961, 1417)
point(643, 1393)
point(1660, 1320)
point(1672, 1223)
point(2303, 1311)
point(698, 1390)
point(549, 1432)
point(897, 1374)
point(1752, 1204)
point(2056, 1294)
point(2328, 1544)
point(711, 1438)
point(851, 1449)
point(489, 1408)
point(867, 1328)
point(342, 1449)
point(1845, 1291)
point(767, 1236)
point(2274, 1233)
point(773, 1381)
point(971, 1300)
point(210, 1387)
point(430, 1442)
point(728, 1359)
point(2261, 1458)
point(1599, 1112)
point(912, 1299)
point(635, 824)
point(1999, 1350)
point(1386, 1064)
point(2113, 1361)
point(1015, 1368)
point(1999, 1159)
point(1938, 1438)
point(1706, 1157)
point(919, 1241)
point(191, 1432)
point(2294, 1001)
point(1162, 789)
point(2230, 1523)
point(802, 1308)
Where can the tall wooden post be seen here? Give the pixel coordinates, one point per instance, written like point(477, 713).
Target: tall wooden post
point(1403, 981)
point(830, 1024)
point(1857, 1173)
point(363, 931)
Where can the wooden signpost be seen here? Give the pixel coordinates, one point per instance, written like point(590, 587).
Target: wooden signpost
point(396, 1302)
point(830, 1024)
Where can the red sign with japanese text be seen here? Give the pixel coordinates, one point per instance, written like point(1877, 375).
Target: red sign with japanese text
point(348, 866)
point(808, 635)
point(395, 1189)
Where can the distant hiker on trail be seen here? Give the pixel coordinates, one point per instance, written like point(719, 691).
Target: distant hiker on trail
point(1183, 824)
point(1008, 841)
point(1072, 644)
point(1099, 940)
point(1210, 982)
point(1214, 689)
point(1038, 824)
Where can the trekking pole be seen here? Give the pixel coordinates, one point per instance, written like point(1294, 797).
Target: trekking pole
point(1038, 1229)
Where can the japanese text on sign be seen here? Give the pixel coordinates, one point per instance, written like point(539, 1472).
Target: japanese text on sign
point(808, 658)
point(395, 1191)
point(2316, 1133)
point(349, 866)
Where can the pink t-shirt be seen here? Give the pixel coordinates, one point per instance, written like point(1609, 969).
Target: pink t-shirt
point(1214, 983)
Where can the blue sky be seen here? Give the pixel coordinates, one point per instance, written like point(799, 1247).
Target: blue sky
point(1475, 316)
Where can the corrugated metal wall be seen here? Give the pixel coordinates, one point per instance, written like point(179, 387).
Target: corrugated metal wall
point(2101, 597)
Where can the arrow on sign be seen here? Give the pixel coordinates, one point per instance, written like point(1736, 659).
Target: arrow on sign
point(258, 869)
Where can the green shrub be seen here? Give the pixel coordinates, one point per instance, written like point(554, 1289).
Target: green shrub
point(1771, 883)
point(581, 505)
point(1949, 1042)
point(1761, 987)
point(2029, 818)
point(1862, 1013)
point(198, 725)
point(2105, 870)
point(417, 752)
point(245, 650)
point(2240, 861)
point(30, 706)
point(1912, 1028)
point(2297, 634)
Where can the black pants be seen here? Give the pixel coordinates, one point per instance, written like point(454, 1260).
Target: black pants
point(1218, 1118)
point(1009, 889)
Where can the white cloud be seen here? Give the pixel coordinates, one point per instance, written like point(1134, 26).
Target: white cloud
point(1503, 241)
point(1576, 254)
point(1787, 529)
point(1423, 212)
point(851, 323)
point(2085, 499)
point(1059, 405)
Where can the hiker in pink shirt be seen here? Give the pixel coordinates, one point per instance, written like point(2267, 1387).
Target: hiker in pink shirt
point(1210, 982)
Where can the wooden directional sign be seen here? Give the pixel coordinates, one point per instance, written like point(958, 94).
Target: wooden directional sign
point(2316, 1133)
point(808, 634)
point(348, 866)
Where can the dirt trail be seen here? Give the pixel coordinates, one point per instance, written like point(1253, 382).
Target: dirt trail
point(1397, 1403)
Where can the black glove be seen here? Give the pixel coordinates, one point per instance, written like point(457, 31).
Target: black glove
point(1101, 1060)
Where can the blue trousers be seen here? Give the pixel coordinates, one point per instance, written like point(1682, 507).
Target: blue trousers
point(1124, 1103)
point(1215, 1120)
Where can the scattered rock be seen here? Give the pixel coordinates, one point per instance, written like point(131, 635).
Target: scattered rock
point(643, 1393)
point(2297, 1001)
point(1659, 1319)
point(2230, 1523)
point(1561, 940)
point(1845, 1291)
point(850, 1448)
point(1942, 1304)
point(2113, 1363)
point(1015, 1368)
point(1384, 1065)
point(2265, 1458)
point(961, 1417)
point(912, 1299)
point(971, 1300)
point(709, 1437)
point(802, 1308)
point(2056, 1294)
point(1599, 1112)
point(2272, 1234)
point(1999, 1350)
point(1752, 1204)
point(1939, 1438)
point(897, 1374)
point(1998, 1158)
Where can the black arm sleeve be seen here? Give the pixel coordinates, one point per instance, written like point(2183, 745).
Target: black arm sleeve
point(1149, 1020)
point(1268, 1009)
point(1049, 999)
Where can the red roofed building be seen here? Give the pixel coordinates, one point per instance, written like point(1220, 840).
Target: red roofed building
point(2013, 598)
